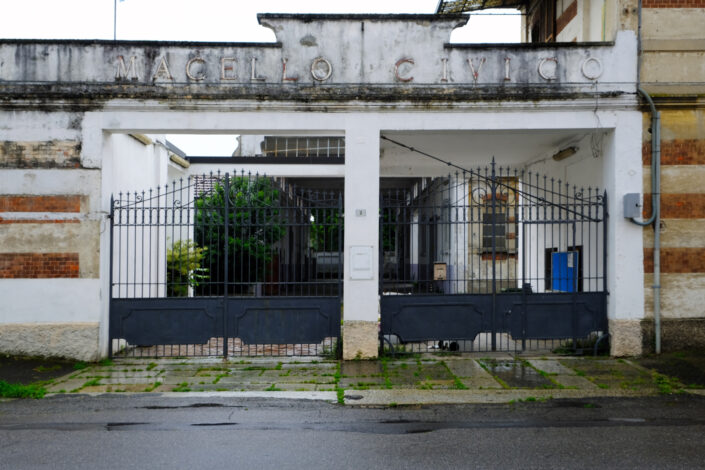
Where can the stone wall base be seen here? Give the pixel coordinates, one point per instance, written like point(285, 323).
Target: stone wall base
point(676, 334)
point(625, 337)
point(77, 341)
point(360, 339)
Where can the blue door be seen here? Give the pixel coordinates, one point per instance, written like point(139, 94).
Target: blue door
point(564, 271)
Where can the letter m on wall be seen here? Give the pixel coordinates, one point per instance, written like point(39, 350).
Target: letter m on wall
point(126, 72)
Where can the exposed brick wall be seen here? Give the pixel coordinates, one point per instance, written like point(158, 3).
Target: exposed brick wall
point(566, 17)
point(678, 206)
point(677, 152)
point(38, 265)
point(673, 3)
point(40, 204)
point(50, 154)
point(676, 260)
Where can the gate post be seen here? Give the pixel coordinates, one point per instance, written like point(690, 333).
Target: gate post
point(361, 246)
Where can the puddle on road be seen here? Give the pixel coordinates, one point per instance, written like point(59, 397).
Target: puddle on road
point(517, 374)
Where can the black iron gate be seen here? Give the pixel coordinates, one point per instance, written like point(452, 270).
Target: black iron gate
point(226, 265)
point(491, 259)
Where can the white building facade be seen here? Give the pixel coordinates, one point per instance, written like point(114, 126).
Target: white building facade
point(69, 110)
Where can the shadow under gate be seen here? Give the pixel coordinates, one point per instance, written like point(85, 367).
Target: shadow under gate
point(493, 259)
point(221, 265)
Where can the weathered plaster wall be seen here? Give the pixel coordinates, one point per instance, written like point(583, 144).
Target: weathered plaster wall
point(49, 232)
point(52, 215)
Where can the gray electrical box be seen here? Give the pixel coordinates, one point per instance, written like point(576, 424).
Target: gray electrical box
point(632, 205)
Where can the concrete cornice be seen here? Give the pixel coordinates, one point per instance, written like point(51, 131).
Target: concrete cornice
point(626, 101)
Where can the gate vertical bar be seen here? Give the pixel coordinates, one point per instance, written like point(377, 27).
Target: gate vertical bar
point(493, 194)
point(340, 219)
point(110, 279)
point(524, 289)
point(605, 217)
point(226, 221)
point(574, 298)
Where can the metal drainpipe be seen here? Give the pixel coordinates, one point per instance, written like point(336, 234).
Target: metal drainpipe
point(655, 212)
point(655, 190)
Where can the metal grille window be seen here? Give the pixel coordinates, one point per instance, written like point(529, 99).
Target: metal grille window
point(325, 147)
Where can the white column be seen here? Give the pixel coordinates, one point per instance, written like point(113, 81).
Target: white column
point(625, 252)
point(361, 263)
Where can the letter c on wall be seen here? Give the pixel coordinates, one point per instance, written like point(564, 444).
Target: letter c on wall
point(201, 75)
point(396, 70)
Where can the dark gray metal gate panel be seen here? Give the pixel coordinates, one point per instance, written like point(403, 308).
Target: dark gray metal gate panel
point(419, 318)
point(166, 321)
point(558, 316)
point(475, 253)
point(242, 264)
point(284, 320)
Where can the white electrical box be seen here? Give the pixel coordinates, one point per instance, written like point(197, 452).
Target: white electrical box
point(361, 266)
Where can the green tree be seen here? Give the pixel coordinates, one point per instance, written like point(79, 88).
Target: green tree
point(326, 229)
point(255, 222)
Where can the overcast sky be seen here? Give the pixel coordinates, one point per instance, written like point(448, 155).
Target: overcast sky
point(210, 20)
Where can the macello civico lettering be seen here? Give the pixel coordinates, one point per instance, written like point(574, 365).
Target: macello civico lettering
point(322, 69)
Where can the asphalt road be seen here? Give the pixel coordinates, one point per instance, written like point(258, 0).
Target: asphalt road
point(152, 432)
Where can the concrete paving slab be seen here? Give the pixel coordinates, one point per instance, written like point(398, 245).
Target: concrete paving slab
point(271, 375)
point(516, 374)
point(467, 368)
point(301, 379)
point(242, 378)
point(574, 381)
point(127, 380)
point(285, 387)
point(551, 366)
point(177, 379)
point(481, 382)
point(434, 371)
point(439, 384)
point(309, 365)
point(612, 374)
point(66, 386)
point(361, 382)
point(360, 368)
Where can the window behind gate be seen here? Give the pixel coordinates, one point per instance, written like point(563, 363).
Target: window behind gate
point(498, 213)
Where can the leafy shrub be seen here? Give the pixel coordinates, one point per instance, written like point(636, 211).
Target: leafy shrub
point(183, 267)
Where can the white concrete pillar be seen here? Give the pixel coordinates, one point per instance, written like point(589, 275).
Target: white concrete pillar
point(625, 253)
point(361, 263)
